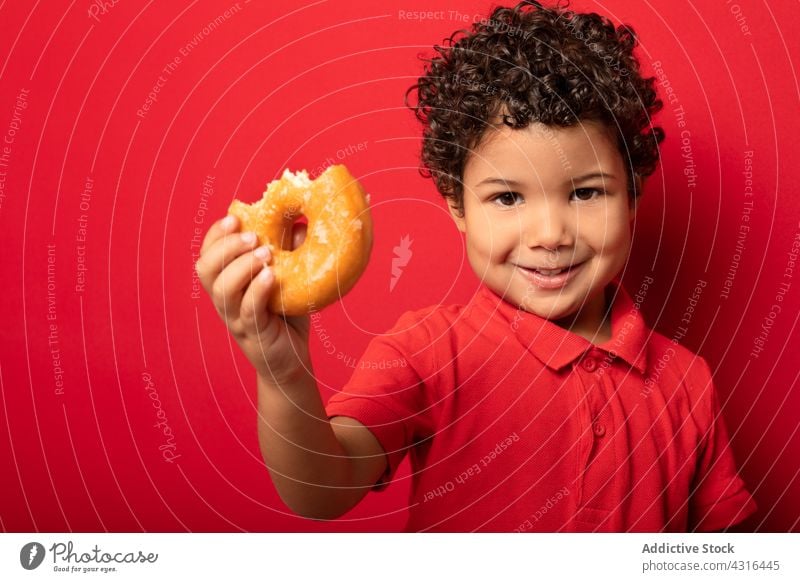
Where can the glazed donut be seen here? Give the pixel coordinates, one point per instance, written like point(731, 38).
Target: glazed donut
point(338, 237)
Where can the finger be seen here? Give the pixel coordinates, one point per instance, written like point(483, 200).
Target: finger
point(221, 254)
point(230, 285)
point(218, 230)
point(299, 230)
point(253, 312)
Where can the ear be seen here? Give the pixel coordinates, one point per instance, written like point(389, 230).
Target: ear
point(456, 215)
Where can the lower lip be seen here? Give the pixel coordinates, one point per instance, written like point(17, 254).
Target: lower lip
point(554, 281)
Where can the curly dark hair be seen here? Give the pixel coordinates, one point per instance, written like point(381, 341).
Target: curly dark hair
point(533, 64)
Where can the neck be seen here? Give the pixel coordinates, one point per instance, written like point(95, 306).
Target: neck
point(593, 321)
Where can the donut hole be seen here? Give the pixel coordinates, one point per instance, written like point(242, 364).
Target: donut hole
point(294, 229)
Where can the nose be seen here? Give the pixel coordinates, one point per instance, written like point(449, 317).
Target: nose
point(547, 226)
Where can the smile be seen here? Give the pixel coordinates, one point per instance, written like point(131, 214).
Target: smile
point(551, 278)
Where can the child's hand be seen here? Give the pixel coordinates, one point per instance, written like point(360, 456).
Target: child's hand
point(237, 277)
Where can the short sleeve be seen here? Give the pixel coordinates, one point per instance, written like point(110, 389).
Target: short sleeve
point(719, 498)
point(388, 391)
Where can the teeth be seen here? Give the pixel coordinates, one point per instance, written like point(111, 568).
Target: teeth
point(549, 272)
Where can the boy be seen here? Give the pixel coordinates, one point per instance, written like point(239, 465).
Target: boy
point(545, 403)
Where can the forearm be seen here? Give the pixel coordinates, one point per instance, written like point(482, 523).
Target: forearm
point(308, 465)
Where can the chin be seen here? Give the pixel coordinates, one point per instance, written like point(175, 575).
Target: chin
point(549, 309)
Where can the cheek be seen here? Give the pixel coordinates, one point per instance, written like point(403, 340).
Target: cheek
point(493, 237)
point(616, 239)
point(610, 229)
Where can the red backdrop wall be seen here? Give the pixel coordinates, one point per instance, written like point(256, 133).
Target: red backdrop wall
point(128, 128)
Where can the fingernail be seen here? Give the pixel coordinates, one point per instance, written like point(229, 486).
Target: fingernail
point(261, 253)
point(265, 275)
point(228, 223)
point(248, 237)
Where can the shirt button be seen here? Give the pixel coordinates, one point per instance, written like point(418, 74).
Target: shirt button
point(599, 429)
point(589, 364)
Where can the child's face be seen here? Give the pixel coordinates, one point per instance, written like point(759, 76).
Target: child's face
point(526, 209)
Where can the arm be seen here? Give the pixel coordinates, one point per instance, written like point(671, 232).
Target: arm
point(719, 497)
point(320, 468)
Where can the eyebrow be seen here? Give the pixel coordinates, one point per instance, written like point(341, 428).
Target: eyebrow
point(578, 180)
point(591, 176)
point(501, 181)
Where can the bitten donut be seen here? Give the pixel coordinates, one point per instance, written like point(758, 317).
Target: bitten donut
point(338, 237)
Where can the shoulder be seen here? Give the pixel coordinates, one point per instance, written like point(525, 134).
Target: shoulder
point(427, 335)
point(680, 373)
point(432, 320)
point(660, 344)
point(666, 353)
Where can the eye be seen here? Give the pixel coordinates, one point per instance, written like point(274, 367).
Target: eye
point(507, 198)
point(587, 194)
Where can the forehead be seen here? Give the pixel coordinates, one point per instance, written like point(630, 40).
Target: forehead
point(547, 151)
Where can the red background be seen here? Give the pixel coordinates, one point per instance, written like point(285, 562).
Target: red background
point(279, 84)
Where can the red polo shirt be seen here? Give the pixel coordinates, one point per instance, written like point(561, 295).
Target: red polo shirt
point(515, 424)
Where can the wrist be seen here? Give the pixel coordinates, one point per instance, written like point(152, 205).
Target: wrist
point(284, 378)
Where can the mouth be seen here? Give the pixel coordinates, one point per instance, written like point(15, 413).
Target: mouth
point(551, 278)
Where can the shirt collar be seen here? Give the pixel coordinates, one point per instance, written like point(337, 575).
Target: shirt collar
point(557, 347)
